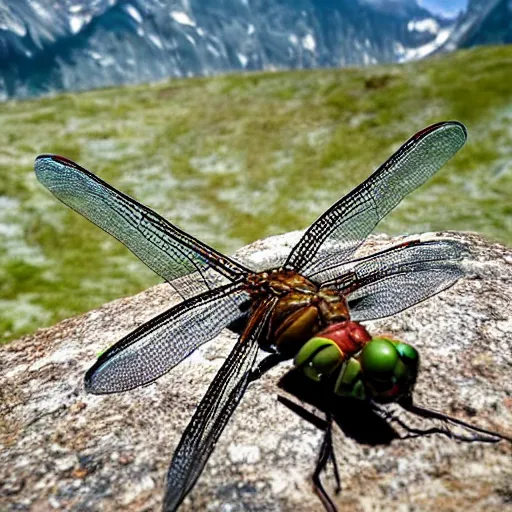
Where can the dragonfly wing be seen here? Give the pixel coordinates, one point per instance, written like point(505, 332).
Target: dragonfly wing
point(157, 346)
point(400, 258)
point(395, 279)
point(214, 412)
point(348, 222)
point(164, 248)
point(396, 293)
point(204, 279)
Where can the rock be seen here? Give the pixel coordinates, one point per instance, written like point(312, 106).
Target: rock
point(62, 449)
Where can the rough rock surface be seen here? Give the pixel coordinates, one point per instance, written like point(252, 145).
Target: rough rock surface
point(63, 449)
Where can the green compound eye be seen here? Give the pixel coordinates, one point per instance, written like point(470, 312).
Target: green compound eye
point(407, 352)
point(379, 358)
point(319, 357)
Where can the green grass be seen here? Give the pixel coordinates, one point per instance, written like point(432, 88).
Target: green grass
point(236, 158)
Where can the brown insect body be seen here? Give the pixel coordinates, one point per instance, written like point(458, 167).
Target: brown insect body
point(302, 308)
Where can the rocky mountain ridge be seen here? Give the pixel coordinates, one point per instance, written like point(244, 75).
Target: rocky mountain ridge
point(49, 46)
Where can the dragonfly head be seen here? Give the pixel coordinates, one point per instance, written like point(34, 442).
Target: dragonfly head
point(388, 369)
point(380, 369)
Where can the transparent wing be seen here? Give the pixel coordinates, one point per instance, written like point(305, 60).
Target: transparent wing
point(164, 248)
point(409, 256)
point(348, 222)
point(398, 258)
point(214, 412)
point(195, 283)
point(395, 279)
point(160, 344)
point(398, 292)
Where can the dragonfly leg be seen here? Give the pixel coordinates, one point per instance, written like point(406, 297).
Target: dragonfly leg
point(447, 423)
point(326, 454)
point(336, 472)
point(265, 365)
point(412, 432)
point(476, 433)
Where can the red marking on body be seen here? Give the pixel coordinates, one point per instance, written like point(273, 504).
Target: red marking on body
point(350, 337)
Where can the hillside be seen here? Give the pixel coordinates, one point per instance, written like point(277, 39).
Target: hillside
point(236, 158)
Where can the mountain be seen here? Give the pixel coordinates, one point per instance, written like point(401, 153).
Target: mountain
point(484, 22)
point(66, 45)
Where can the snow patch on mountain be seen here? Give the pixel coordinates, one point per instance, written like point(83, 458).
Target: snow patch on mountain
point(425, 25)
point(183, 18)
point(421, 52)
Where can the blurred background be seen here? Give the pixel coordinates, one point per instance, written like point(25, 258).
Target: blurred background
point(235, 119)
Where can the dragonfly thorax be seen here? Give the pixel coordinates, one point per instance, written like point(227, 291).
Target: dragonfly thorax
point(302, 309)
point(278, 282)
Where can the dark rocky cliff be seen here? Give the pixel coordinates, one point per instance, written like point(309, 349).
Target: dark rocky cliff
point(53, 46)
point(484, 22)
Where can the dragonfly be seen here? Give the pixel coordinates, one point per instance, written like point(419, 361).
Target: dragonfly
point(321, 284)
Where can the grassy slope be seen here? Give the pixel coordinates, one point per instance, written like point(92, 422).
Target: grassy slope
point(236, 158)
